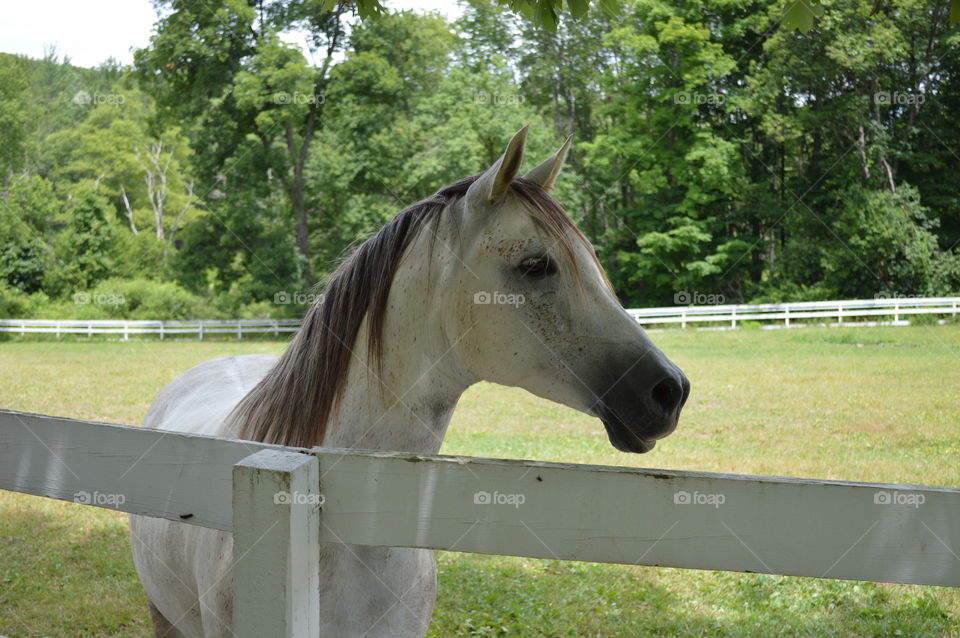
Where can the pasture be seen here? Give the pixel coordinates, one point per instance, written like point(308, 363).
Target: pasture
point(872, 404)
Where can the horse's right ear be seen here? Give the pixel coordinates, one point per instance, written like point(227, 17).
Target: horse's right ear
point(492, 186)
point(545, 173)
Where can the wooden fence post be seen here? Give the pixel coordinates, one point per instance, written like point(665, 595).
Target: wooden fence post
point(276, 527)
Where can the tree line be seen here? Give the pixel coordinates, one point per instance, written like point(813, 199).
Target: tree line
point(716, 154)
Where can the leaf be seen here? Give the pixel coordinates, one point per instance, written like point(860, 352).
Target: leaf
point(612, 7)
point(546, 15)
point(579, 8)
point(954, 11)
point(369, 9)
point(799, 14)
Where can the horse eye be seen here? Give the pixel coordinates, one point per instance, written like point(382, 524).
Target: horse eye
point(537, 267)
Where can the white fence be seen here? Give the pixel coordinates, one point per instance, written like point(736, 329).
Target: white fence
point(848, 312)
point(883, 311)
point(699, 520)
point(196, 329)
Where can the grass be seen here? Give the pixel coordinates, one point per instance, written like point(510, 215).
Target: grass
point(873, 404)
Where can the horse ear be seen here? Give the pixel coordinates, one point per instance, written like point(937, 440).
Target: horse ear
point(493, 184)
point(545, 173)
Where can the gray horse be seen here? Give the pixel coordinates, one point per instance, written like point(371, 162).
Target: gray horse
point(486, 280)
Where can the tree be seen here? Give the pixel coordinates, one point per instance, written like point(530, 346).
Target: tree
point(156, 163)
point(13, 115)
point(667, 173)
point(27, 211)
point(405, 118)
point(87, 246)
point(223, 67)
point(888, 246)
point(145, 177)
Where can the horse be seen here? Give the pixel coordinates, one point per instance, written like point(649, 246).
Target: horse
point(488, 279)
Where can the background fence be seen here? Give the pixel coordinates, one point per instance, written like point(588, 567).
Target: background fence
point(875, 311)
point(195, 329)
point(700, 520)
point(844, 312)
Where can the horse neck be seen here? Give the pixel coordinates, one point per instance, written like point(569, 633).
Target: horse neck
point(405, 403)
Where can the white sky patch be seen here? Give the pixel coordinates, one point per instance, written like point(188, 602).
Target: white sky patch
point(91, 32)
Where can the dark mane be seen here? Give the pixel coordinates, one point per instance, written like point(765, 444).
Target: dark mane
point(294, 402)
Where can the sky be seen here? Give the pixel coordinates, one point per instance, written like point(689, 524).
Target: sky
point(89, 32)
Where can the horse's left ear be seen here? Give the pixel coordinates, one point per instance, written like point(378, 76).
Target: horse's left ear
point(493, 184)
point(545, 173)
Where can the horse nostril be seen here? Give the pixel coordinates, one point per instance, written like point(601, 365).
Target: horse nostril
point(667, 394)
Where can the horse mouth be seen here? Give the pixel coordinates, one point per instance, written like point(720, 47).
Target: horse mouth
point(622, 436)
point(626, 441)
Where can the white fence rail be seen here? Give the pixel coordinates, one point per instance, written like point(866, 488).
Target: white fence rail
point(804, 312)
point(850, 311)
point(699, 520)
point(197, 329)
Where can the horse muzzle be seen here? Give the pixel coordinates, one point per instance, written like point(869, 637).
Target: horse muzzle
point(642, 405)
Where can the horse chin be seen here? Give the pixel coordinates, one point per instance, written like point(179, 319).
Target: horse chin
point(625, 440)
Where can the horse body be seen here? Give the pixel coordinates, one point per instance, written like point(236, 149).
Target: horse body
point(187, 570)
point(440, 325)
point(366, 591)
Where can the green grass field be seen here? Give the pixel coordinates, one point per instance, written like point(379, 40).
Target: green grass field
point(871, 404)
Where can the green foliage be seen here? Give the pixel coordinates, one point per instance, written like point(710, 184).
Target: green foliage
point(13, 114)
point(87, 246)
point(22, 263)
point(885, 243)
point(800, 14)
point(14, 303)
point(141, 256)
point(718, 149)
point(403, 121)
point(240, 258)
point(147, 299)
point(26, 213)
